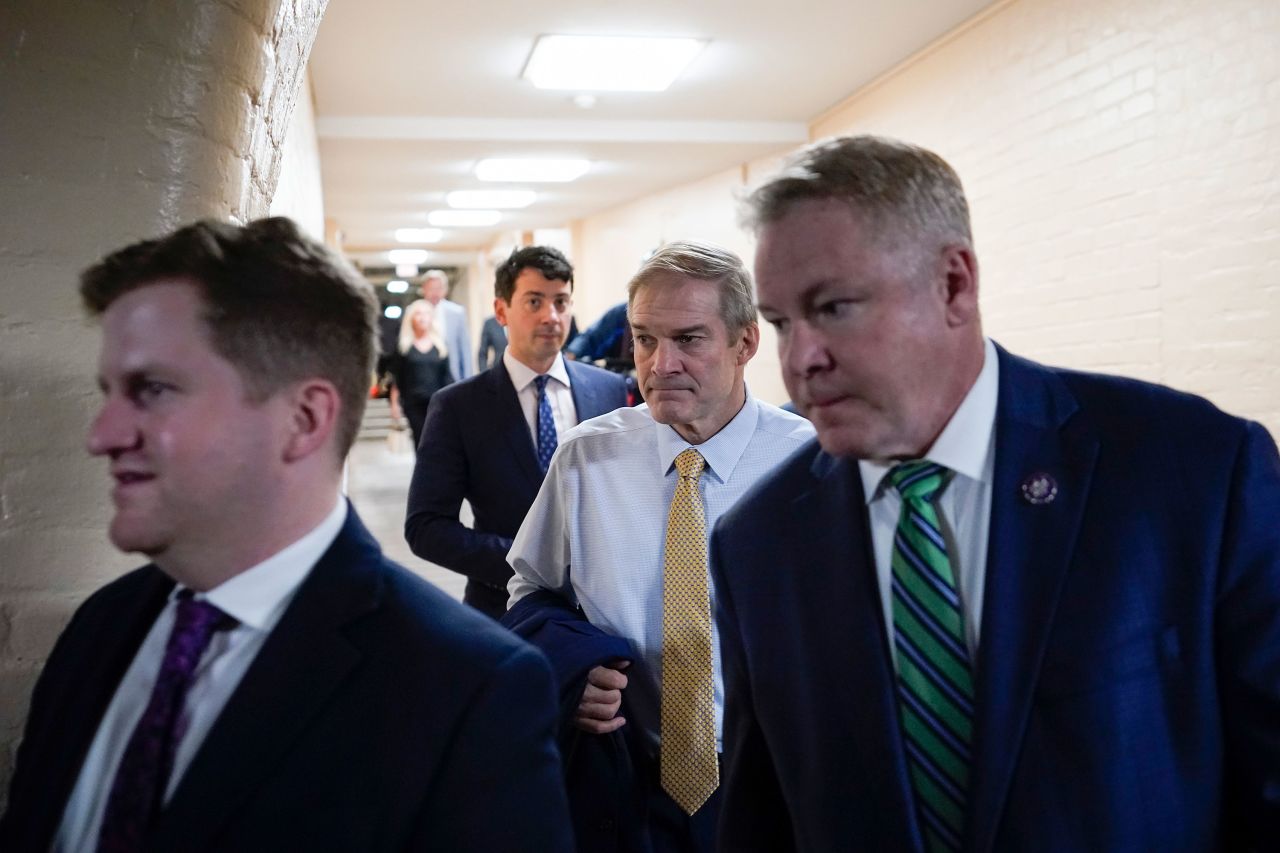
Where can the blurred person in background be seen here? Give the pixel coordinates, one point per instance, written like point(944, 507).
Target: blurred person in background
point(420, 366)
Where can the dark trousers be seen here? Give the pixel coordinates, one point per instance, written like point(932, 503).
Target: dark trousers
point(415, 411)
point(673, 831)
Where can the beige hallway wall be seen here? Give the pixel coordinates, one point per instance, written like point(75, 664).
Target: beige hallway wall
point(609, 248)
point(1120, 162)
point(120, 122)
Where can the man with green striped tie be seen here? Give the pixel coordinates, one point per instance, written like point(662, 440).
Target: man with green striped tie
point(995, 606)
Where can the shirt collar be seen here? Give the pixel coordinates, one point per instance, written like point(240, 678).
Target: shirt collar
point(257, 596)
point(721, 452)
point(522, 375)
point(965, 444)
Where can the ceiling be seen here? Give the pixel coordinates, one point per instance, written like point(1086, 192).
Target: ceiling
point(410, 94)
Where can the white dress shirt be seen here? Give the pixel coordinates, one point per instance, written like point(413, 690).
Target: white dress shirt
point(967, 447)
point(563, 411)
point(603, 508)
point(256, 598)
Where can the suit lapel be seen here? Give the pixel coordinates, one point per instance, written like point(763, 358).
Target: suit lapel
point(586, 395)
point(106, 648)
point(511, 423)
point(1030, 547)
point(303, 661)
point(868, 718)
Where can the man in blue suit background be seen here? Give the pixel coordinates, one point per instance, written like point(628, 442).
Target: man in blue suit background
point(270, 681)
point(451, 318)
point(488, 440)
point(996, 606)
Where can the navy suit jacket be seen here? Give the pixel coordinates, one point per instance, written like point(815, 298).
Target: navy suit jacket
point(476, 446)
point(1128, 677)
point(493, 343)
point(378, 715)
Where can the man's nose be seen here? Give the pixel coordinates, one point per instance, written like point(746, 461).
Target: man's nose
point(803, 349)
point(666, 357)
point(113, 428)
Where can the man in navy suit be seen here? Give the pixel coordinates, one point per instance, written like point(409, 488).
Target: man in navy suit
point(270, 681)
point(996, 606)
point(493, 343)
point(451, 318)
point(488, 440)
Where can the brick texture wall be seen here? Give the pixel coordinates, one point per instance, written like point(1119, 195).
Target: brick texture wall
point(1120, 161)
point(121, 121)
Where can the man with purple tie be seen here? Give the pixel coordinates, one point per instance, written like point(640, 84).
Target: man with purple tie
point(270, 681)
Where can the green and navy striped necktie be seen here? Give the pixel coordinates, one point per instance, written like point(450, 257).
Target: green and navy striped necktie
point(935, 679)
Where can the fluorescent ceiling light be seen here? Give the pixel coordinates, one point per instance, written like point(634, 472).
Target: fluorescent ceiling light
point(406, 270)
point(491, 199)
point(609, 63)
point(464, 218)
point(408, 256)
point(531, 171)
point(398, 285)
point(392, 312)
point(418, 235)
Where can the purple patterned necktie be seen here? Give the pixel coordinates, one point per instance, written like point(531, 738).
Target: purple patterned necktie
point(139, 786)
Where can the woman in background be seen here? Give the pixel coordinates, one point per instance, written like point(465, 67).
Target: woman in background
point(420, 367)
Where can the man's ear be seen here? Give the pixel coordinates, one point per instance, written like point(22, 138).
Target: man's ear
point(960, 284)
point(500, 310)
point(314, 408)
point(748, 343)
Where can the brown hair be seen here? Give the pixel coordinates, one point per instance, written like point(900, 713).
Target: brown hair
point(553, 265)
point(280, 307)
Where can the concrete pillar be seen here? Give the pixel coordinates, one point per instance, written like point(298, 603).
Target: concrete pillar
point(121, 120)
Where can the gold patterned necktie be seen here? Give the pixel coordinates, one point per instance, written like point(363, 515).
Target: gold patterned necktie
point(689, 768)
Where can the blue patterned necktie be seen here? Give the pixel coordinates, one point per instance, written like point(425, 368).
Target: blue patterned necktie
point(935, 680)
point(143, 775)
point(546, 425)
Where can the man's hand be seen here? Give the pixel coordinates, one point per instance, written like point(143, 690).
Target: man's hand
point(598, 711)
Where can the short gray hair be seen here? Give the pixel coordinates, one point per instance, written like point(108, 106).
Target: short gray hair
point(703, 262)
point(894, 184)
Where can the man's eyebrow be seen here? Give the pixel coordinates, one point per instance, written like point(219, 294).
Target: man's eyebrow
point(688, 330)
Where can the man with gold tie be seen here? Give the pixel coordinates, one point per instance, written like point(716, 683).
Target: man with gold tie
point(620, 529)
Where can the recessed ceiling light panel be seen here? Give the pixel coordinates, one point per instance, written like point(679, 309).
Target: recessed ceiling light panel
point(609, 63)
point(408, 256)
point(418, 235)
point(531, 171)
point(464, 218)
point(490, 199)
point(398, 285)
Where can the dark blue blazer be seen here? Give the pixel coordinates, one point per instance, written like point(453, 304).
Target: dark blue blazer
point(378, 715)
point(493, 343)
point(604, 774)
point(476, 446)
point(1128, 675)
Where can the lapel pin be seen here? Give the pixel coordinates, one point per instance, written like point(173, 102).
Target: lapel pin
point(1039, 489)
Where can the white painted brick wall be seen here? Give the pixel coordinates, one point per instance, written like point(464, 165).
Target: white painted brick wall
point(1122, 161)
point(120, 121)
